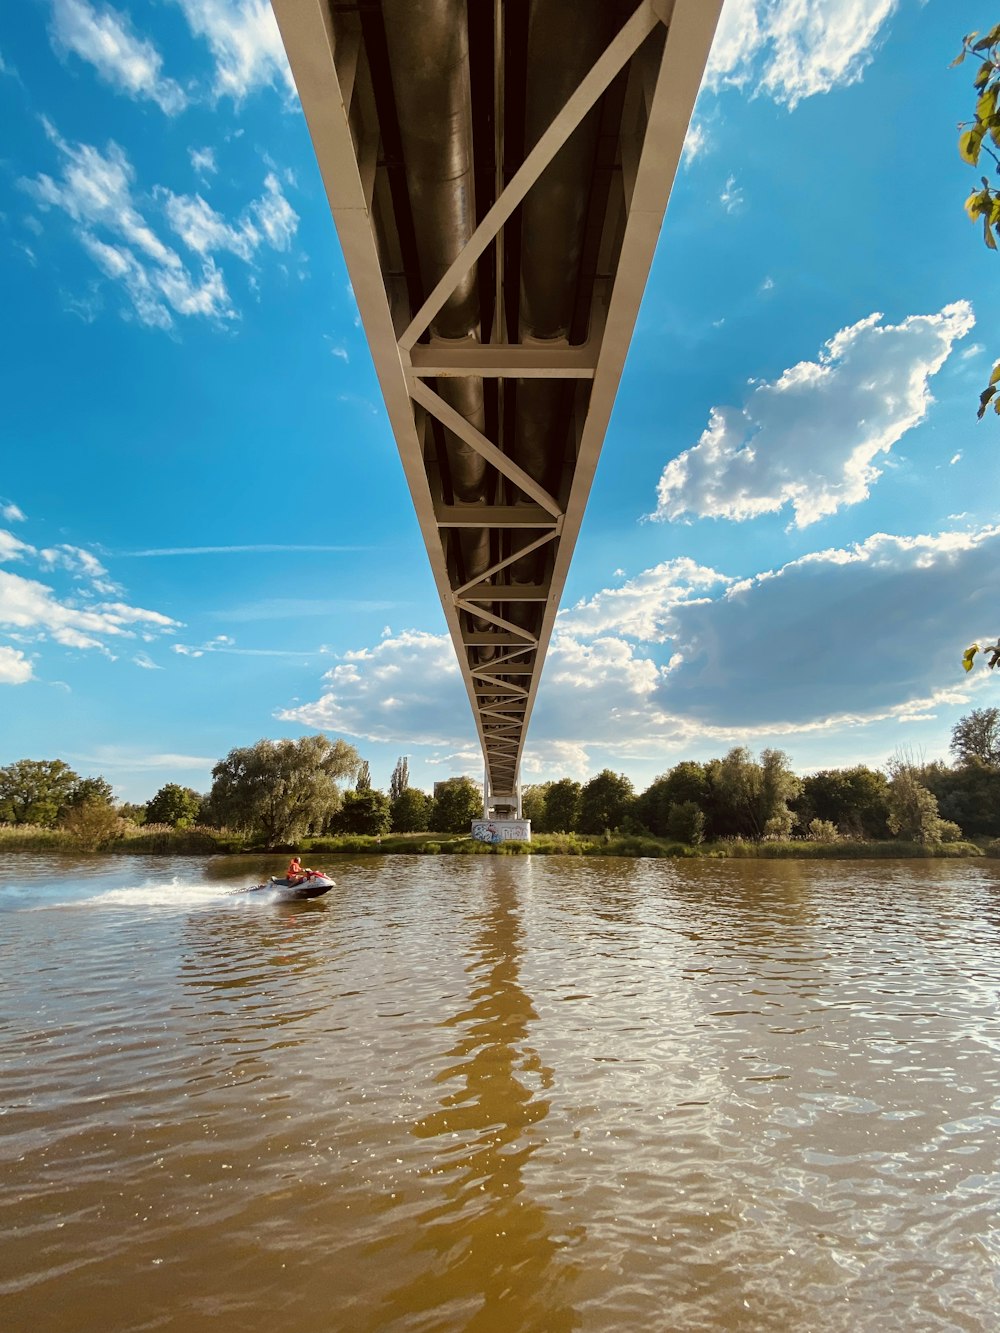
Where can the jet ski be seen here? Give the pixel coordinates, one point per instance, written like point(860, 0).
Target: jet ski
point(308, 886)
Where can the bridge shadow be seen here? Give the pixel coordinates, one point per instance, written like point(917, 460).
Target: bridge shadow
point(490, 1255)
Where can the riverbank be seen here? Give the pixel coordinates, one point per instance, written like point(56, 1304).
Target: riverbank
point(161, 840)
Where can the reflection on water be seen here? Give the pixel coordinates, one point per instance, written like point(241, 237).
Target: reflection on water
point(491, 1245)
point(500, 1094)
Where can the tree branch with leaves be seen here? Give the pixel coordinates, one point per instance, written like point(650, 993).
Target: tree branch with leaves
point(977, 137)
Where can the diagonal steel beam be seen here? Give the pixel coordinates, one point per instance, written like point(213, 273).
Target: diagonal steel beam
point(608, 65)
point(475, 439)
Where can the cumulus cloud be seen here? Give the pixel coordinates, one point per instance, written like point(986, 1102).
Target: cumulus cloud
point(644, 607)
point(811, 438)
point(15, 669)
point(245, 44)
point(793, 49)
point(407, 688)
point(684, 655)
point(106, 40)
point(10, 512)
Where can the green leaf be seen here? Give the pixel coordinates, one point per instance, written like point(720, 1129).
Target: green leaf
point(977, 203)
point(984, 399)
point(969, 655)
point(995, 377)
point(970, 143)
point(987, 104)
point(996, 406)
point(990, 39)
point(995, 212)
point(988, 234)
point(985, 70)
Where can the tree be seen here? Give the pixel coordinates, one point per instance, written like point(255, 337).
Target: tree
point(686, 823)
point(605, 802)
point(281, 790)
point(92, 823)
point(131, 812)
point(686, 782)
point(853, 799)
point(364, 778)
point(410, 810)
point(400, 779)
point(913, 810)
point(966, 795)
point(533, 805)
point(457, 802)
point(363, 811)
point(36, 791)
point(90, 789)
point(979, 135)
point(562, 806)
point(977, 736)
point(753, 796)
point(175, 805)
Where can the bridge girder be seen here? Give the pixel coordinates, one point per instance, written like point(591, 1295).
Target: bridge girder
point(498, 172)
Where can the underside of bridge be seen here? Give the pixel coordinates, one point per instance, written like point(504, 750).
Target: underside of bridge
point(498, 172)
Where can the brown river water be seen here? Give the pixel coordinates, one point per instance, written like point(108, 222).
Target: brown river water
point(500, 1093)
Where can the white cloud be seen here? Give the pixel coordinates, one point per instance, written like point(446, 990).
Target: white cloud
point(115, 757)
point(106, 40)
point(955, 458)
point(204, 230)
point(406, 689)
point(75, 559)
point(643, 607)
point(793, 49)
point(81, 616)
point(875, 630)
point(15, 668)
point(146, 662)
point(731, 197)
point(26, 604)
point(695, 141)
point(245, 43)
point(203, 161)
point(810, 438)
point(833, 642)
point(96, 190)
point(11, 513)
point(12, 548)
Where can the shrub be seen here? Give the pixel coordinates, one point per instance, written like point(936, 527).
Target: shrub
point(822, 830)
point(92, 824)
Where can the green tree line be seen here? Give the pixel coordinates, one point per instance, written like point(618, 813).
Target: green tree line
point(278, 792)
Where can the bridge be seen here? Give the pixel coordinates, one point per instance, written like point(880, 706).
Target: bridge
point(498, 172)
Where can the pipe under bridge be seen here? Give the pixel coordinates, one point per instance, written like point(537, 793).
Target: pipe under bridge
point(498, 171)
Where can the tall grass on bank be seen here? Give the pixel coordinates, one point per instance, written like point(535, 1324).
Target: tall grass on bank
point(164, 840)
point(34, 838)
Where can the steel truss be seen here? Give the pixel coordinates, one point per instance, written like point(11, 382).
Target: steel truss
point(498, 172)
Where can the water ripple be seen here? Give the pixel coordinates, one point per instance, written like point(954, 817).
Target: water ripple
point(501, 1094)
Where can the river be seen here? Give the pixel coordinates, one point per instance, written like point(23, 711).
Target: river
point(500, 1094)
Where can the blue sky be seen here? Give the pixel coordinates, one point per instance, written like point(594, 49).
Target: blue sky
point(205, 535)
